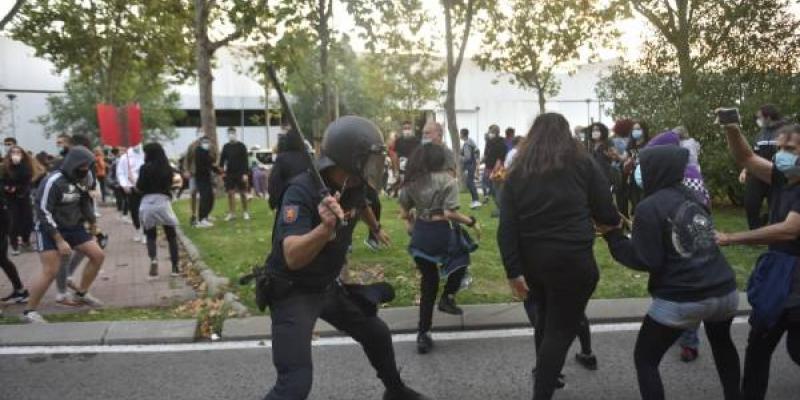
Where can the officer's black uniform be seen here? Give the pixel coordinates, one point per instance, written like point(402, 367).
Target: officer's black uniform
point(315, 293)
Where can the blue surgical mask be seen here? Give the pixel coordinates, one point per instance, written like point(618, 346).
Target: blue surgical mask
point(786, 162)
point(637, 176)
point(637, 134)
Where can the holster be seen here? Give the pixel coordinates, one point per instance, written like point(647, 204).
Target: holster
point(270, 286)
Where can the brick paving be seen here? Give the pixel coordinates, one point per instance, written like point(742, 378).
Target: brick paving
point(123, 281)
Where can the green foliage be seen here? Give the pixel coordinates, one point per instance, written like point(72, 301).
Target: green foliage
point(531, 40)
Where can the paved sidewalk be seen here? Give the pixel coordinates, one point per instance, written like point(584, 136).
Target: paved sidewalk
point(123, 282)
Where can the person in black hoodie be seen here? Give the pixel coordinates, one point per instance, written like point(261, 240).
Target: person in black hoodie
point(155, 186)
point(19, 293)
point(690, 281)
point(551, 195)
point(290, 162)
point(17, 186)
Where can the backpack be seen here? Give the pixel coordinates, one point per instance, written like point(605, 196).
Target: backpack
point(691, 228)
point(769, 286)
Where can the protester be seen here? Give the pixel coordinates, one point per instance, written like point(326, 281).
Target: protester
point(553, 192)
point(260, 174)
point(189, 168)
point(509, 140)
point(63, 207)
point(155, 185)
point(233, 161)
point(127, 174)
point(290, 161)
point(18, 294)
point(512, 153)
point(690, 280)
point(102, 171)
point(119, 195)
point(308, 252)
point(639, 140)
point(769, 120)
point(470, 155)
point(429, 203)
point(494, 156)
point(20, 169)
point(203, 174)
point(601, 151)
point(691, 144)
point(774, 288)
point(404, 147)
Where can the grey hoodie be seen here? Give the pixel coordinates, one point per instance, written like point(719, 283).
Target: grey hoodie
point(62, 200)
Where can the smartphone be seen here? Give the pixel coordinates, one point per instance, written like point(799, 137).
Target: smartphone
point(727, 116)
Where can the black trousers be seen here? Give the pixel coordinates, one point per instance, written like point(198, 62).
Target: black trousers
point(8, 267)
point(172, 240)
point(655, 339)
point(293, 320)
point(121, 199)
point(21, 211)
point(429, 287)
point(755, 192)
point(760, 345)
point(562, 278)
point(134, 201)
point(584, 335)
point(205, 190)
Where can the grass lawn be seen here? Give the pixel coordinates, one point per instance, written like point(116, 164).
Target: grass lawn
point(232, 248)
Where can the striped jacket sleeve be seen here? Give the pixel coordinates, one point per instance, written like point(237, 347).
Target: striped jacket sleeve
point(48, 196)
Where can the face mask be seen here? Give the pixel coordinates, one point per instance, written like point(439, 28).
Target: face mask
point(81, 173)
point(16, 158)
point(426, 140)
point(407, 132)
point(62, 150)
point(597, 135)
point(137, 150)
point(205, 146)
point(760, 123)
point(637, 176)
point(232, 137)
point(637, 134)
point(786, 162)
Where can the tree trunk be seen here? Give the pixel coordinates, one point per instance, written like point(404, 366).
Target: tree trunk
point(324, 42)
point(205, 78)
point(542, 100)
point(452, 77)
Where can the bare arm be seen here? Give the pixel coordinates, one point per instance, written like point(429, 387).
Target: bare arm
point(784, 231)
point(744, 156)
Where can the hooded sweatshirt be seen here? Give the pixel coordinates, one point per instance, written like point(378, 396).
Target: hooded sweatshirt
point(692, 177)
point(62, 199)
point(675, 273)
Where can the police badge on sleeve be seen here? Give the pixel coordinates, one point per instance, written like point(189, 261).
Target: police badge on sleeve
point(290, 214)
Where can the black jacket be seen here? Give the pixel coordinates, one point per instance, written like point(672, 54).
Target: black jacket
point(694, 276)
point(287, 165)
point(203, 163)
point(63, 200)
point(155, 179)
point(495, 150)
point(556, 207)
point(233, 158)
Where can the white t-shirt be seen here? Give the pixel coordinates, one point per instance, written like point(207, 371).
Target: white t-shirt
point(694, 151)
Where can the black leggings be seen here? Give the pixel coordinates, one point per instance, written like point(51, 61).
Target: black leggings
point(8, 267)
point(121, 200)
point(655, 339)
point(21, 211)
point(134, 201)
point(205, 190)
point(429, 287)
point(172, 239)
point(584, 336)
point(760, 345)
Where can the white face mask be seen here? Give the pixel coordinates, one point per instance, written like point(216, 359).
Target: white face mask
point(16, 158)
point(597, 135)
point(232, 137)
point(760, 123)
point(205, 145)
point(408, 133)
point(426, 140)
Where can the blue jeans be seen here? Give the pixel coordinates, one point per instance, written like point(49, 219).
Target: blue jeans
point(468, 170)
point(688, 315)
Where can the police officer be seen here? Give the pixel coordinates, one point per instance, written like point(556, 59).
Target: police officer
point(311, 238)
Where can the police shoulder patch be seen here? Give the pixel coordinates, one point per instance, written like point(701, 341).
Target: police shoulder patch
point(290, 214)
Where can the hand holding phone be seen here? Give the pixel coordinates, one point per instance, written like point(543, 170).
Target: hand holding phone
point(727, 116)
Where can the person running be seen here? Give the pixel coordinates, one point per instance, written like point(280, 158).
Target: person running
point(774, 289)
point(155, 186)
point(429, 203)
point(552, 193)
point(63, 206)
point(690, 280)
point(233, 161)
point(20, 169)
point(127, 175)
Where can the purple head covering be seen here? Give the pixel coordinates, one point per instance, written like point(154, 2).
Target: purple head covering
point(665, 138)
point(692, 177)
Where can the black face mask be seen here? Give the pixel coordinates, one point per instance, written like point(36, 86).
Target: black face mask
point(81, 173)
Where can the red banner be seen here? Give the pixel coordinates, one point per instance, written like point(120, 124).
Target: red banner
point(120, 126)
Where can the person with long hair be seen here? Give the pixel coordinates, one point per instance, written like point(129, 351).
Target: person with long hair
point(19, 294)
point(155, 187)
point(552, 194)
point(21, 170)
point(429, 202)
point(102, 170)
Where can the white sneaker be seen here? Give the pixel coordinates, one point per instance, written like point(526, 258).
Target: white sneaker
point(65, 299)
point(246, 216)
point(229, 217)
point(88, 299)
point(204, 224)
point(475, 204)
point(33, 317)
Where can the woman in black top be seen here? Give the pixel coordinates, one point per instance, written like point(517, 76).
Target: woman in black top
point(19, 294)
point(289, 162)
point(155, 185)
point(553, 192)
point(19, 166)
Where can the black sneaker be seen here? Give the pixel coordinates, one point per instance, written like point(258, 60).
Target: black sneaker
point(560, 382)
point(18, 297)
point(588, 361)
point(447, 305)
point(405, 393)
point(424, 343)
point(153, 268)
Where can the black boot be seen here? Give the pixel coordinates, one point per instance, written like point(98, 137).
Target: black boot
point(588, 361)
point(447, 304)
point(404, 393)
point(424, 343)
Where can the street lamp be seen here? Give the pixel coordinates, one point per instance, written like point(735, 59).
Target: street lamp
point(11, 98)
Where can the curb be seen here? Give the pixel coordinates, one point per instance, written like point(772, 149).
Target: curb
point(215, 284)
point(99, 333)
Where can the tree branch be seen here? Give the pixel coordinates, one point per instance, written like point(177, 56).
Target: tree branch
point(666, 30)
point(236, 34)
point(11, 13)
point(465, 36)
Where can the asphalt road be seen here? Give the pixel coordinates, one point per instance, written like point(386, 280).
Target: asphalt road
point(495, 368)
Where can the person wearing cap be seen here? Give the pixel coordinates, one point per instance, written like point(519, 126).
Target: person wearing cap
point(312, 233)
